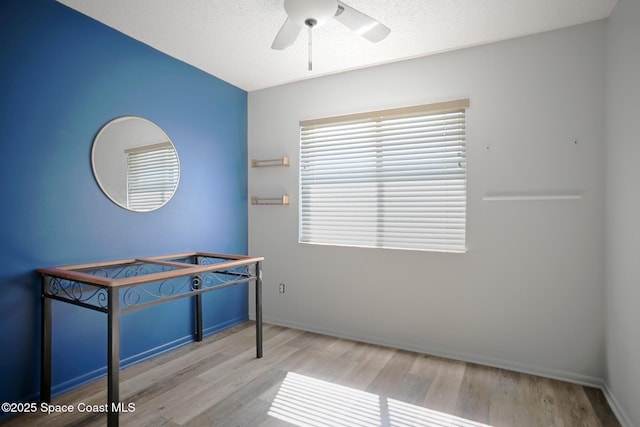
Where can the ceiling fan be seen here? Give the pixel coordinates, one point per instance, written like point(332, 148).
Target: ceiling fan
point(313, 13)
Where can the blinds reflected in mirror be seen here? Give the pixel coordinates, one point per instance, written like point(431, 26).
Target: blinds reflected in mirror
point(152, 175)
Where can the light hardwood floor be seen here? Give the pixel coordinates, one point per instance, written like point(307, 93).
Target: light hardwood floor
point(310, 379)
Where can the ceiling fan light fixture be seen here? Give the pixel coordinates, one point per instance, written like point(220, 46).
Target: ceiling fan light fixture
point(299, 11)
point(313, 13)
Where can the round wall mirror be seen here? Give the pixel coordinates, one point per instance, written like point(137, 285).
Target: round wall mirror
point(135, 164)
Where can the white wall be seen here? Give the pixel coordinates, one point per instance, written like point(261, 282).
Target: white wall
point(528, 294)
point(623, 201)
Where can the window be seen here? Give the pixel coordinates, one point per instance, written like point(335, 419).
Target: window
point(152, 175)
point(385, 179)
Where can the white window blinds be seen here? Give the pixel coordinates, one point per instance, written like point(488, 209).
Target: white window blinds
point(152, 176)
point(386, 179)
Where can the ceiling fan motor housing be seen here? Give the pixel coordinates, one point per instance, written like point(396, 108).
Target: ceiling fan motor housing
point(301, 11)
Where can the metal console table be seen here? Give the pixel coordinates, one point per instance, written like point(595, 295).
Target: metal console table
point(118, 287)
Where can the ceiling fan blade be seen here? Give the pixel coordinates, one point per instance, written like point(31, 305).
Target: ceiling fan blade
point(362, 24)
point(286, 36)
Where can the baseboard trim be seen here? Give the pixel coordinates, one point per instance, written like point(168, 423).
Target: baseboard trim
point(463, 357)
point(620, 413)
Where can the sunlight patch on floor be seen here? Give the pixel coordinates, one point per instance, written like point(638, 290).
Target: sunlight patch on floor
point(306, 401)
point(402, 414)
point(303, 400)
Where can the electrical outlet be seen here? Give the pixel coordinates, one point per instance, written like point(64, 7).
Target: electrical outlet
point(281, 288)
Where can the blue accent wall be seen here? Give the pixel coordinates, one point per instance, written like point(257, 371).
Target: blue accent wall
point(62, 77)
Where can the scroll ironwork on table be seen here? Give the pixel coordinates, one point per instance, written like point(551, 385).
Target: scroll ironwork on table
point(78, 292)
point(145, 294)
point(139, 295)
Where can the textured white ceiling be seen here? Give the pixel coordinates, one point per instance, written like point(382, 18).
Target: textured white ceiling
point(232, 39)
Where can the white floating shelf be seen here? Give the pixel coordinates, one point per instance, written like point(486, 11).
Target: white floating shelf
point(282, 161)
point(531, 196)
point(282, 200)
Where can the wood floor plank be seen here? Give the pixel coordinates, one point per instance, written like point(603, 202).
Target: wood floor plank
point(234, 363)
point(275, 422)
point(237, 401)
point(371, 359)
point(176, 353)
point(418, 380)
point(389, 380)
point(506, 400)
point(221, 388)
point(577, 409)
point(185, 397)
point(445, 386)
point(475, 393)
point(252, 414)
point(542, 408)
point(243, 340)
point(413, 389)
point(319, 380)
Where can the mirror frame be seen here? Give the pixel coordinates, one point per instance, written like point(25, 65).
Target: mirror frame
point(99, 171)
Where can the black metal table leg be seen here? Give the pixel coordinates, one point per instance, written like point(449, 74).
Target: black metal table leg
point(198, 303)
point(113, 358)
point(45, 342)
point(258, 310)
